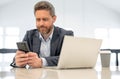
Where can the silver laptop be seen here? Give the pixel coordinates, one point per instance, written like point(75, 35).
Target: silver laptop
point(79, 52)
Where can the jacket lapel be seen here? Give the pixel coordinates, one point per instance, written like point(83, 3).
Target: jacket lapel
point(36, 43)
point(54, 42)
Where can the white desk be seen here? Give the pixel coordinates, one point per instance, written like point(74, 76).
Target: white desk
point(41, 73)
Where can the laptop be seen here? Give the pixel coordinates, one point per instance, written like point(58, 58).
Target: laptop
point(79, 52)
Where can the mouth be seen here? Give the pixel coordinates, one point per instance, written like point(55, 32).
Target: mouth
point(43, 30)
point(42, 27)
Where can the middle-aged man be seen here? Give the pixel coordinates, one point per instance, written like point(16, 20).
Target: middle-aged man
point(45, 42)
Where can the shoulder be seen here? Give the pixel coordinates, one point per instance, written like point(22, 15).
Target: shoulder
point(32, 32)
point(63, 31)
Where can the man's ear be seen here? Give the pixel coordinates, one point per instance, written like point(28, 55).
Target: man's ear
point(54, 18)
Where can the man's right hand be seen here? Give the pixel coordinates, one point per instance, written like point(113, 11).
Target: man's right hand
point(21, 58)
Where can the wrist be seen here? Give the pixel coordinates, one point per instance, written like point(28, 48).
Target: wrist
point(44, 62)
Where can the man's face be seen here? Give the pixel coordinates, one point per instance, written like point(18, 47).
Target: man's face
point(44, 21)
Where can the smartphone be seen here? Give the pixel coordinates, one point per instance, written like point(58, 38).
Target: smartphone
point(23, 46)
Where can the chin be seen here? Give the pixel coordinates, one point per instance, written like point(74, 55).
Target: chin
point(43, 33)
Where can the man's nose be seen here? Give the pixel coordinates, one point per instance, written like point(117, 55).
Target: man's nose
point(41, 23)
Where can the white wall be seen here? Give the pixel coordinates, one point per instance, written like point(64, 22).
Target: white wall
point(86, 15)
point(83, 16)
point(18, 14)
point(97, 15)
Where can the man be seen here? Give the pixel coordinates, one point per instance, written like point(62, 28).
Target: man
point(45, 42)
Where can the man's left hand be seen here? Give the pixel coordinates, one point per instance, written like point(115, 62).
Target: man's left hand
point(34, 61)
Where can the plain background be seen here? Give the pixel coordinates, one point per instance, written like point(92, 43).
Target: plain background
point(82, 16)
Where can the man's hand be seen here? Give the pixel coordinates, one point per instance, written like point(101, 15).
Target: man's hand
point(33, 60)
point(21, 58)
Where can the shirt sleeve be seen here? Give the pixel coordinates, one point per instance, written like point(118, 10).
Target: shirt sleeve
point(44, 62)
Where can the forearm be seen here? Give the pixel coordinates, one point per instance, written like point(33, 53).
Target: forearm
point(52, 61)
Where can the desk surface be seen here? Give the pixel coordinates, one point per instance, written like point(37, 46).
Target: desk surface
point(42, 73)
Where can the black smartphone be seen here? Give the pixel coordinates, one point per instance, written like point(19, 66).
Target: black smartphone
point(23, 46)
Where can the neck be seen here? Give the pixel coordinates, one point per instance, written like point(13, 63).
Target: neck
point(45, 36)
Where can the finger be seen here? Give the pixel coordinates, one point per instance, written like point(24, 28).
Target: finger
point(21, 56)
point(19, 52)
point(21, 61)
point(30, 63)
point(31, 54)
point(21, 64)
point(32, 60)
point(35, 63)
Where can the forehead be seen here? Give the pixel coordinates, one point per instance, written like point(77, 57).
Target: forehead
point(42, 13)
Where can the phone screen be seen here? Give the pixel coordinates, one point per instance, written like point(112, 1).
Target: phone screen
point(23, 46)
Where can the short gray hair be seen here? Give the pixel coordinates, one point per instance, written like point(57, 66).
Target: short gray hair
point(45, 5)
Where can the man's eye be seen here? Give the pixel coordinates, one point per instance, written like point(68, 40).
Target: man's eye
point(45, 19)
point(38, 19)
